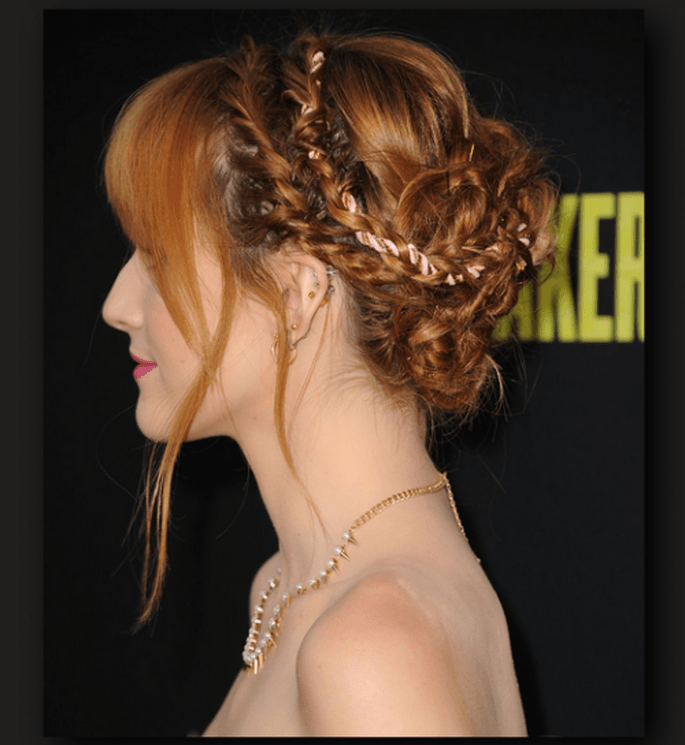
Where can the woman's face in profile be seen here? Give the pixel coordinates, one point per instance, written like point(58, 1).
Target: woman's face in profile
point(135, 307)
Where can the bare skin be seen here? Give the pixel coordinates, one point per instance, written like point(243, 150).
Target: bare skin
point(329, 675)
point(409, 638)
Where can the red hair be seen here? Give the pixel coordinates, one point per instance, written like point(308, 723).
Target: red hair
point(255, 150)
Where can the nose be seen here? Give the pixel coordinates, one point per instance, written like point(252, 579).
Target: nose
point(123, 308)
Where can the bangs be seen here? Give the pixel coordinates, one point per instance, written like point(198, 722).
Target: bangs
point(158, 175)
point(155, 165)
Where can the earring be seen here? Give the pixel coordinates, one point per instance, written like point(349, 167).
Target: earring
point(274, 350)
point(330, 271)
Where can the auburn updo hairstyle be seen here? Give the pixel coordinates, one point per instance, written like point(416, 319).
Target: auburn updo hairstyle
point(365, 151)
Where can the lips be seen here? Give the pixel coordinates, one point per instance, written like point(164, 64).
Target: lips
point(143, 368)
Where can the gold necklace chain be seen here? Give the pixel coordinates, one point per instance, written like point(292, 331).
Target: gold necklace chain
point(256, 652)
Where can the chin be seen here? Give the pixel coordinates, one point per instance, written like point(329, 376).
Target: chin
point(152, 425)
point(157, 428)
point(152, 433)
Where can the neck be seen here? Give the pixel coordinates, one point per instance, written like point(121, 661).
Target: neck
point(350, 452)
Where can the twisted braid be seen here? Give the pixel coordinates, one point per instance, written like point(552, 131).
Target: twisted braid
point(319, 166)
point(432, 232)
point(267, 204)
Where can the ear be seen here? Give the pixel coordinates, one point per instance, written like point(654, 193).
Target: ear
point(306, 290)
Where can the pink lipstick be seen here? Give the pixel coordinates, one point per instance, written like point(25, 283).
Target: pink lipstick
point(143, 368)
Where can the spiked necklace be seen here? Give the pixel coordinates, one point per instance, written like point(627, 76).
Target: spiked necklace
point(255, 652)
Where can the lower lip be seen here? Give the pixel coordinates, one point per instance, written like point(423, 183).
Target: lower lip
point(143, 369)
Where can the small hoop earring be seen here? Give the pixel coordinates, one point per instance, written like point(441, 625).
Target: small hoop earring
point(274, 350)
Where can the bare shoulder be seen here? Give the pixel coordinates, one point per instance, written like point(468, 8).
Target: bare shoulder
point(376, 664)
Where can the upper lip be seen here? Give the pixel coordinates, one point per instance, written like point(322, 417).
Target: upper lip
point(140, 359)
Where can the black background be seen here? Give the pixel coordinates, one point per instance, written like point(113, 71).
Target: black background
point(552, 499)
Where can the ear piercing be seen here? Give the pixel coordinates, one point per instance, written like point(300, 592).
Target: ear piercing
point(274, 350)
point(330, 271)
point(312, 293)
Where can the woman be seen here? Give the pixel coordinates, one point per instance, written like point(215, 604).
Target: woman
point(325, 238)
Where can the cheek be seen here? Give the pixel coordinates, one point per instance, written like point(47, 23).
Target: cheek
point(163, 389)
point(173, 354)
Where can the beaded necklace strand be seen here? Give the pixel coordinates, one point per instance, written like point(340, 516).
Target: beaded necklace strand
point(256, 650)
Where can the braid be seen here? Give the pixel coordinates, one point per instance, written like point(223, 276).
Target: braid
point(316, 169)
point(432, 215)
point(307, 143)
point(255, 155)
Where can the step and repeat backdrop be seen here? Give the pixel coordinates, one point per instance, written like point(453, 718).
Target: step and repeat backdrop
point(600, 248)
point(550, 491)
